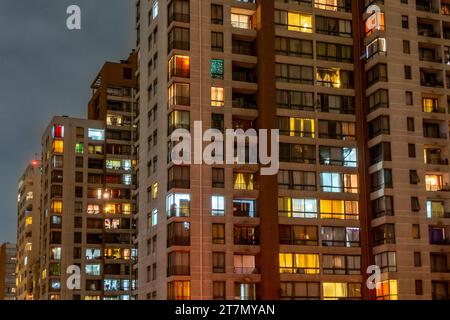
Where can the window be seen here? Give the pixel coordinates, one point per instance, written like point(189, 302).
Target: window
point(217, 97)
point(300, 290)
point(340, 236)
point(293, 47)
point(334, 78)
point(218, 233)
point(299, 263)
point(405, 22)
point(216, 14)
point(297, 180)
point(297, 208)
point(378, 99)
point(417, 259)
point(339, 209)
point(294, 21)
point(96, 134)
point(243, 181)
point(58, 131)
point(154, 217)
point(241, 21)
point(341, 290)
point(93, 269)
point(408, 72)
point(294, 73)
point(217, 205)
point(387, 290)
point(383, 206)
point(178, 205)
point(333, 26)
point(409, 98)
point(179, 290)
point(376, 73)
point(297, 153)
point(339, 182)
point(434, 182)
point(178, 38)
point(244, 208)
point(179, 94)
point(415, 231)
point(219, 290)
point(298, 235)
point(384, 234)
point(387, 261)
point(334, 52)
point(218, 177)
point(155, 9)
point(79, 148)
point(341, 264)
point(246, 235)
point(179, 66)
point(410, 124)
point(411, 150)
point(217, 68)
point(178, 263)
point(338, 156)
point(217, 41)
point(406, 47)
point(419, 287)
point(218, 262)
point(436, 209)
point(58, 146)
point(56, 207)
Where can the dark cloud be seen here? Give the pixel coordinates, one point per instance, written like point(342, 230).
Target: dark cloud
point(46, 70)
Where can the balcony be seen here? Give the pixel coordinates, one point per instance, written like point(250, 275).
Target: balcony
point(178, 241)
point(244, 74)
point(246, 270)
point(243, 100)
point(244, 208)
point(431, 78)
point(427, 6)
point(429, 53)
point(428, 28)
point(439, 235)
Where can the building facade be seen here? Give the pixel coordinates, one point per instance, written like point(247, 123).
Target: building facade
point(7, 271)
point(28, 231)
point(358, 93)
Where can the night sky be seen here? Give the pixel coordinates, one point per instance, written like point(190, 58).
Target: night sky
point(46, 70)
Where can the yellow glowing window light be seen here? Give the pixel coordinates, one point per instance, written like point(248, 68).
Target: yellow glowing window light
point(351, 183)
point(155, 190)
point(301, 127)
point(182, 290)
point(179, 66)
point(334, 290)
point(429, 104)
point(299, 22)
point(388, 290)
point(433, 182)
point(243, 181)
point(28, 221)
point(110, 208)
point(56, 206)
point(126, 208)
point(285, 206)
point(58, 146)
point(28, 246)
point(217, 97)
point(330, 5)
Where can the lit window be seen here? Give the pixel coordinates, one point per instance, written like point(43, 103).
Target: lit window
point(155, 9)
point(430, 105)
point(112, 224)
point(341, 290)
point(126, 179)
point(179, 290)
point(435, 209)
point(433, 182)
point(338, 209)
point(56, 207)
point(79, 147)
point(114, 120)
point(28, 221)
point(217, 205)
point(58, 146)
point(96, 134)
point(217, 97)
point(297, 208)
point(55, 253)
point(28, 246)
point(387, 290)
point(217, 68)
point(29, 196)
point(178, 205)
point(93, 209)
point(155, 190)
point(93, 254)
point(241, 21)
point(299, 263)
point(93, 269)
point(243, 181)
point(179, 66)
point(179, 94)
point(299, 22)
point(58, 131)
point(154, 217)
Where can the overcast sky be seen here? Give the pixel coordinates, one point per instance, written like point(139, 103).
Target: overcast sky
point(46, 70)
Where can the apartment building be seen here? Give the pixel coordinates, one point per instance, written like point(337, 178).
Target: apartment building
point(28, 231)
point(408, 127)
point(7, 271)
point(359, 98)
point(86, 220)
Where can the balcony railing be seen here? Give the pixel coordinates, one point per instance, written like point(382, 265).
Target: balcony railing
point(246, 270)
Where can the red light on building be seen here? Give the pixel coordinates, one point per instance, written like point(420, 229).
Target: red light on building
point(34, 163)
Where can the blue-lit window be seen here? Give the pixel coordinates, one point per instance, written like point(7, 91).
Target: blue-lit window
point(96, 134)
point(217, 68)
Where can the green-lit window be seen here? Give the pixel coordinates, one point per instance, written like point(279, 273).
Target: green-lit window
point(79, 147)
point(217, 68)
